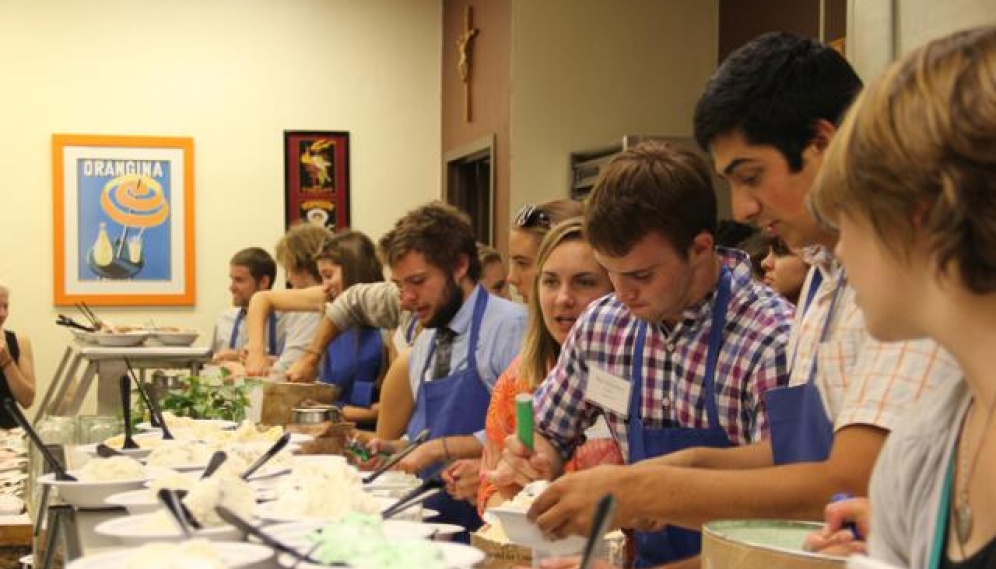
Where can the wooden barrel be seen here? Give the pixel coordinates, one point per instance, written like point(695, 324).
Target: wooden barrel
point(762, 544)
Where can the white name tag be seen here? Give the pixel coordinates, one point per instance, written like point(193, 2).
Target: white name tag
point(608, 391)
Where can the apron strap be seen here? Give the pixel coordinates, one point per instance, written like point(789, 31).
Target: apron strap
point(633, 422)
point(716, 344)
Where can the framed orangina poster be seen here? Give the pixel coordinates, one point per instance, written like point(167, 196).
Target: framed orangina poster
point(123, 220)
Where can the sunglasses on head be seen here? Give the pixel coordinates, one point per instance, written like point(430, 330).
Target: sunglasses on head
point(532, 216)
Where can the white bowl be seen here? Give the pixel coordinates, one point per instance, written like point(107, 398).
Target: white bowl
point(121, 339)
point(180, 338)
point(455, 556)
point(233, 555)
point(136, 530)
point(444, 532)
point(89, 495)
point(137, 502)
point(521, 531)
point(84, 337)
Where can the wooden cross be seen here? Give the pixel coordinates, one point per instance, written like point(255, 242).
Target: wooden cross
point(464, 53)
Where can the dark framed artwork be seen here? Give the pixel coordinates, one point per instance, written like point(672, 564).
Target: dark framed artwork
point(316, 170)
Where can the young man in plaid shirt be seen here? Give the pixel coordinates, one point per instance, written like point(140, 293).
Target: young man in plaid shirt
point(683, 352)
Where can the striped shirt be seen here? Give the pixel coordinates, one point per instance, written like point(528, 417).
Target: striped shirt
point(752, 360)
point(862, 381)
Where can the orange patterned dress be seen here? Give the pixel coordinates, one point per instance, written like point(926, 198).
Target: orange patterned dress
point(500, 423)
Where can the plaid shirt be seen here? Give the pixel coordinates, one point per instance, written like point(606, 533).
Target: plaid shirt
point(862, 381)
point(751, 361)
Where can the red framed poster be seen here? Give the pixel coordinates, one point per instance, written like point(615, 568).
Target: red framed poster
point(316, 170)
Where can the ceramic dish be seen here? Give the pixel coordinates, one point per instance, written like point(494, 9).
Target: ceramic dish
point(233, 555)
point(176, 338)
point(455, 555)
point(89, 495)
point(121, 339)
point(157, 527)
point(521, 531)
point(136, 502)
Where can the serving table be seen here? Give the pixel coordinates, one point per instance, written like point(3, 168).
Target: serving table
point(70, 385)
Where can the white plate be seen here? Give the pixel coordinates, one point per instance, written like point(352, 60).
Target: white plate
point(137, 502)
point(136, 530)
point(294, 533)
point(89, 495)
point(121, 339)
point(521, 531)
point(139, 454)
point(223, 424)
point(444, 532)
point(455, 556)
point(233, 555)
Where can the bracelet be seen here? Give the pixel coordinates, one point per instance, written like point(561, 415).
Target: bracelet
point(311, 351)
point(446, 450)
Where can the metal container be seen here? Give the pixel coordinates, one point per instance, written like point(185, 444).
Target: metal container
point(762, 544)
point(317, 414)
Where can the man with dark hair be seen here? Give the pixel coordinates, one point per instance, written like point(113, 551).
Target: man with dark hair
point(249, 271)
point(766, 117)
point(680, 355)
point(469, 338)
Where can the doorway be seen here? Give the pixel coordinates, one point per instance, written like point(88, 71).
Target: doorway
point(469, 185)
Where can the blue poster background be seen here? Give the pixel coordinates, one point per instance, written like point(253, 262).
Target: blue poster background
point(155, 241)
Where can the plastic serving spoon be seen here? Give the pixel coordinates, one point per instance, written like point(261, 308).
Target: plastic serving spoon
point(603, 517)
point(125, 384)
point(232, 518)
point(418, 440)
point(155, 413)
point(175, 507)
point(53, 463)
point(217, 459)
point(270, 453)
point(413, 497)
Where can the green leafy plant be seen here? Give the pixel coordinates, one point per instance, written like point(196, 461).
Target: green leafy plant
point(209, 398)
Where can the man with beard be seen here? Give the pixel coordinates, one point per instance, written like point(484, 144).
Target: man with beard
point(469, 338)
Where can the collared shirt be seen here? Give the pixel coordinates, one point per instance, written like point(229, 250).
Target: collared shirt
point(502, 328)
point(861, 380)
point(294, 333)
point(751, 361)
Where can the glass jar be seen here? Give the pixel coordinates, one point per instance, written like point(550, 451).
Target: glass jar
point(92, 429)
point(52, 430)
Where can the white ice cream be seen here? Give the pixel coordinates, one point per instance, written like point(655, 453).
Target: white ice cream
point(109, 469)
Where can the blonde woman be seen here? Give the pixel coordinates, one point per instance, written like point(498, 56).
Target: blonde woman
point(910, 181)
point(567, 279)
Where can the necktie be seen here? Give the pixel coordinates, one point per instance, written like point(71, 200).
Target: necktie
point(444, 351)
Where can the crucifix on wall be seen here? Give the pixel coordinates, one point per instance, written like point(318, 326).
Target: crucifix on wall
point(464, 53)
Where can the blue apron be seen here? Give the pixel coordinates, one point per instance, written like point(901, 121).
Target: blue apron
point(672, 543)
point(271, 325)
point(800, 428)
point(353, 362)
point(453, 405)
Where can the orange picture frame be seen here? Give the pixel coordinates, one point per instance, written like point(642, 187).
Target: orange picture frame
point(123, 219)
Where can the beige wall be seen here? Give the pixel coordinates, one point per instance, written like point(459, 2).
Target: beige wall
point(586, 72)
point(878, 31)
point(232, 74)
